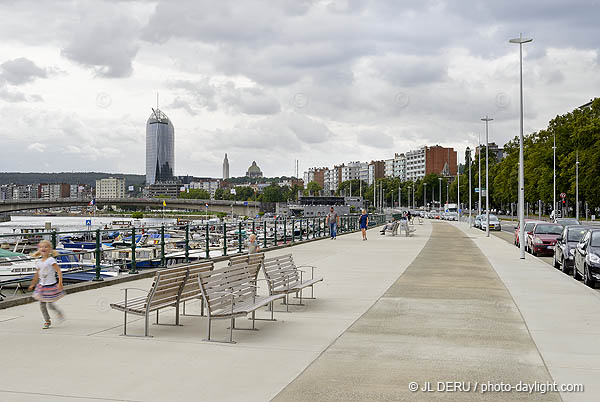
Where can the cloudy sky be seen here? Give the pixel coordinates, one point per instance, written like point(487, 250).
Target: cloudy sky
point(273, 81)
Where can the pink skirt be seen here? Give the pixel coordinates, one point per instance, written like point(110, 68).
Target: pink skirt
point(48, 293)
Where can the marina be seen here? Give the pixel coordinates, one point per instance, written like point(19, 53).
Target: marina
point(99, 248)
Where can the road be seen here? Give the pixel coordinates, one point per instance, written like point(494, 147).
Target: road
point(507, 234)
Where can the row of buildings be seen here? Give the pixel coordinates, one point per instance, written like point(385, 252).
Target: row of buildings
point(45, 191)
point(412, 165)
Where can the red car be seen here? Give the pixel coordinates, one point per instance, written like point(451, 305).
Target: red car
point(529, 225)
point(542, 238)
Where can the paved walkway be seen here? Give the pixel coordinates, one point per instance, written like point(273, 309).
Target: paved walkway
point(447, 318)
point(85, 359)
point(562, 314)
point(445, 305)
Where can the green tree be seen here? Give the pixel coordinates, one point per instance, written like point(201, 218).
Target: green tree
point(273, 193)
point(313, 187)
point(195, 194)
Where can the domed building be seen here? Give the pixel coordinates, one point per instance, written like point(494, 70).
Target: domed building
point(254, 170)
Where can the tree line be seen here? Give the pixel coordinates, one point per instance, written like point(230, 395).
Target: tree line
point(577, 136)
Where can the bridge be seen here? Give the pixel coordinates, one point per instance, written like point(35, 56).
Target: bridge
point(247, 208)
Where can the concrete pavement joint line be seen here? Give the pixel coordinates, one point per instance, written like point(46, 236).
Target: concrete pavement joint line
point(69, 396)
point(350, 326)
point(518, 308)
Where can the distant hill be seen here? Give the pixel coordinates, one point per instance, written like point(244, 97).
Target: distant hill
point(88, 178)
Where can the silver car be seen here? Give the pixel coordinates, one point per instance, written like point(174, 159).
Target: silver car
point(494, 222)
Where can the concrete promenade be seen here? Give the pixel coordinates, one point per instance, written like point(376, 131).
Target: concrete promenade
point(85, 359)
point(448, 304)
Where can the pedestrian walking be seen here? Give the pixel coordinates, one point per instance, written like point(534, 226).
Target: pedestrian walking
point(332, 220)
point(253, 246)
point(47, 281)
point(364, 223)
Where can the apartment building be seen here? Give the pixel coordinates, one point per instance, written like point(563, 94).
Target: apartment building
point(376, 171)
point(210, 186)
point(415, 164)
point(112, 187)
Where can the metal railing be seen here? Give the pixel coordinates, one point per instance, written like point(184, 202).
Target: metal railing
point(119, 248)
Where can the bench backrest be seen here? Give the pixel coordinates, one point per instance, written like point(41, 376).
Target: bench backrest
point(280, 271)
point(191, 288)
point(166, 287)
point(238, 278)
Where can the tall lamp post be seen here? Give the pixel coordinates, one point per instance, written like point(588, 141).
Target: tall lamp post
point(425, 196)
point(479, 175)
point(577, 184)
point(520, 40)
point(470, 190)
point(554, 177)
point(487, 187)
point(458, 185)
point(440, 181)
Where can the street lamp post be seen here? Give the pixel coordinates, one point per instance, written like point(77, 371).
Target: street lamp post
point(520, 40)
point(487, 187)
point(399, 197)
point(425, 196)
point(458, 186)
point(440, 181)
point(470, 191)
point(577, 185)
point(554, 177)
point(479, 175)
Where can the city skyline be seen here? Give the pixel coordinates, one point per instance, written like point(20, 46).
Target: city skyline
point(250, 79)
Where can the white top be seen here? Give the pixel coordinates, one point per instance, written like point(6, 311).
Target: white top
point(46, 273)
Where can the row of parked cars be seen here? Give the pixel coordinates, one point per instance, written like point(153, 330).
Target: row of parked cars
point(446, 216)
point(575, 248)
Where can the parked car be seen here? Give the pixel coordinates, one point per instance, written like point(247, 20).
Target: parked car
point(452, 216)
point(587, 258)
point(542, 238)
point(564, 250)
point(529, 224)
point(567, 221)
point(477, 222)
point(494, 222)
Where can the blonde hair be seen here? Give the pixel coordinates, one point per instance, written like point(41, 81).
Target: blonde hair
point(52, 253)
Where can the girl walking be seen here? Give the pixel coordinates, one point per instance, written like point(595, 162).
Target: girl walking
point(364, 223)
point(48, 282)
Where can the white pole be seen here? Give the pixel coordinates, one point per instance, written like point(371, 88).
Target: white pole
point(458, 186)
point(520, 40)
point(479, 160)
point(554, 177)
point(470, 190)
point(487, 171)
point(577, 184)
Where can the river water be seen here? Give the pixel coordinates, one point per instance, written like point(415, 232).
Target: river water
point(72, 223)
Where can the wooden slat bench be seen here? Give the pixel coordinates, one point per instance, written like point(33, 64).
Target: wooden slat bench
point(284, 277)
point(164, 292)
point(191, 289)
point(230, 292)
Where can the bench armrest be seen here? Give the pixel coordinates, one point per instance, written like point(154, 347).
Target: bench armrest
point(312, 270)
point(138, 289)
point(141, 290)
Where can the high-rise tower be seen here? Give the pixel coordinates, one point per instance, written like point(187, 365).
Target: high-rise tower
point(160, 148)
point(225, 168)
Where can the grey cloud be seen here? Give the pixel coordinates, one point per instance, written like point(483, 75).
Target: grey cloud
point(10, 96)
point(20, 71)
point(375, 139)
point(205, 95)
point(105, 41)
